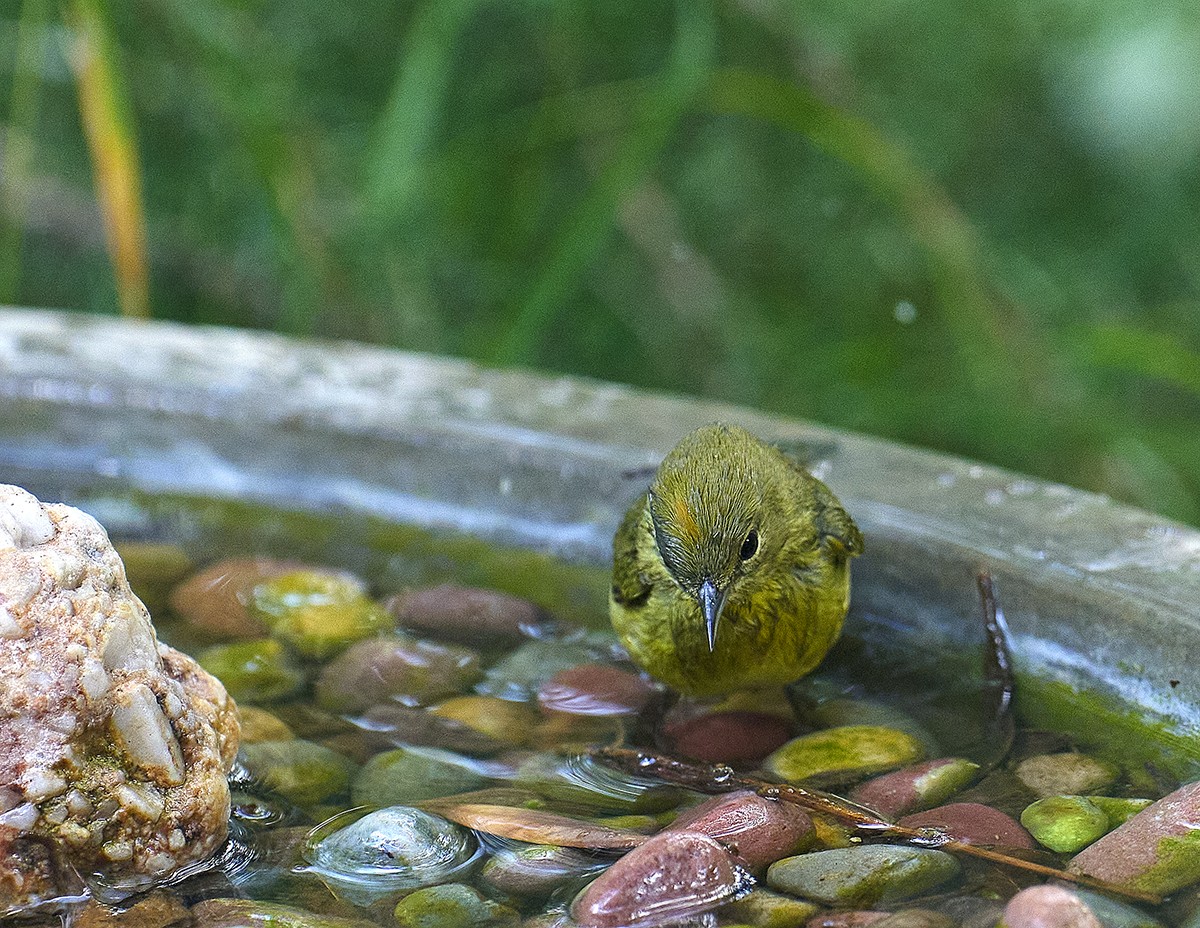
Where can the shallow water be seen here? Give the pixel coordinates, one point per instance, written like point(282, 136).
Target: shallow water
point(282, 848)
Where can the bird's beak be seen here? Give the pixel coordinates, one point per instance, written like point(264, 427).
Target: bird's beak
point(712, 601)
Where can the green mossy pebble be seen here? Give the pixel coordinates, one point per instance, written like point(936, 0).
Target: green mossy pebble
point(862, 876)
point(1065, 824)
point(318, 613)
point(1119, 810)
point(406, 775)
point(299, 770)
point(842, 712)
point(766, 909)
point(851, 749)
point(254, 671)
point(451, 905)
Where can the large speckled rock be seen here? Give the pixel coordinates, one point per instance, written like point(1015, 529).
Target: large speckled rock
point(115, 748)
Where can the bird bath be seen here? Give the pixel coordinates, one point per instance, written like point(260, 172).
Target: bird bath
point(224, 440)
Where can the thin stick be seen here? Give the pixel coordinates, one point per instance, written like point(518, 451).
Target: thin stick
point(998, 676)
point(718, 778)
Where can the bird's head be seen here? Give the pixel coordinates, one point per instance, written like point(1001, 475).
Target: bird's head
point(711, 510)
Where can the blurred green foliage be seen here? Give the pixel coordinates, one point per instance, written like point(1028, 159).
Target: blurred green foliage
point(972, 227)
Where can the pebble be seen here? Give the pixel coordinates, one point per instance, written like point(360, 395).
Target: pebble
point(841, 711)
point(915, 787)
point(972, 823)
point(674, 876)
point(1117, 809)
point(318, 613)
point(259, 670)
point(863, 876)
point(451, 905)
point(260, 725)
point(972, 911)
point(468, 615)
point(853, 918)
point(410, 774)
point(157, 909)
point(1065, 824)
point(509, 723)
point(843, 753)
point(216, 600)
point(520, 673)
point(1048, 907)
point(595, 689)
point(1156, 851)
point(395, 668)
point(153, 569)
point(732, 737)
point(581, 781)
point(1067, 773)
point(757, 831)
point(535, 871)
point(240, 913)
point(917, 918)
point(388, 851)
point(299, 770)
point(764, 908)
point(394, 725)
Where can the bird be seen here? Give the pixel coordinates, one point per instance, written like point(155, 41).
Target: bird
point(732, 571)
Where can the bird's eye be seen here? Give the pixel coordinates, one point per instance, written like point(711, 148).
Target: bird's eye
point(750, 545)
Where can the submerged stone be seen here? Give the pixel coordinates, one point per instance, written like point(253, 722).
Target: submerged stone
point(916, 787)
point(115, 747)
point(595, 689)
point(850, 751)
point(757, 831)
point(260, 670)
point(240, 913)
point(507, 722)
point(398, 668)
point(1155, 851)
point(1066, 773)
point(729, 737)
point(217, 599)
point(863, 876)
point(1065, 824)
point(673, 877)
point(766, 909)
point(451, 905)
point(519, 674)
point(318, 612)
point(972, 823)
point(581, 781)
point(535, 871)
point(406, 775)
point(468, 615)
point(389, 851)
point(299, 770)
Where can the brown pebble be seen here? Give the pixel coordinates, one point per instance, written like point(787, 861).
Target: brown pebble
point(467, 615)
point(156, 910)
point(737, 737)
point(215, 600)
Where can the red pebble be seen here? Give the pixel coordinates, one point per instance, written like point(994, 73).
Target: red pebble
point(595, 689)
point(730, 737)
point(972, 823)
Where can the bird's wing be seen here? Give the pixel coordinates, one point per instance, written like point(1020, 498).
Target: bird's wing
point(834, 524)
point(630, 587)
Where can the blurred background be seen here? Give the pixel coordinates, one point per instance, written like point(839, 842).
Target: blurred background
point(973, 227)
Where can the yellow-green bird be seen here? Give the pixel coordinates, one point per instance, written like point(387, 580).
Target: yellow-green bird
point(733, 570)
